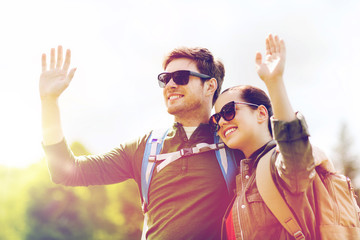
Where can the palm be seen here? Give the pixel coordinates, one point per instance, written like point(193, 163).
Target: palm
point(52, 82)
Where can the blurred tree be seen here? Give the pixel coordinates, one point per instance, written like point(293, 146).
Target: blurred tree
point(125, 199)
point(13, 203)
point(343, 153)
point(116, 209)
point(56, 213)
point(345, 159)
point(96, 212)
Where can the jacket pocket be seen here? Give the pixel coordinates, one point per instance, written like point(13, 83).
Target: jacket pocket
point(260, 215)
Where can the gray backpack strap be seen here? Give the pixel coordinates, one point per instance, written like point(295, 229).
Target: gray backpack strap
point(168, 158)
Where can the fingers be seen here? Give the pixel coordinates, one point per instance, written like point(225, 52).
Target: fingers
point(59, 61)
point(282, 46)
point(258, 58)
point(70, 76)
point(277, 43)
point(52, 58)
point(267, 46)
point(43, 62)
point(274, 45)
point(59, 57)
point(67, 60)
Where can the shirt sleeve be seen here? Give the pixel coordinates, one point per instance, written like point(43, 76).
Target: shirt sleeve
point(295, 163)
point(117, 165)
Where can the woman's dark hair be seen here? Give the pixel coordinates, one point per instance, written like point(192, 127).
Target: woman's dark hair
point(254, 95)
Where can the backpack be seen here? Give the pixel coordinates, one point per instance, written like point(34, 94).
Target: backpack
point(338, 214)
point(224, 155)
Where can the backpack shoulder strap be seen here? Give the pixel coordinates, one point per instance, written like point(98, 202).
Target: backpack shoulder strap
point(227, 163)
point(273, 199)
point(152, 148)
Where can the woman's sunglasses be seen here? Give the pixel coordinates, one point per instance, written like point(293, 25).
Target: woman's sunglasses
point(227, 112)
point(180, 77)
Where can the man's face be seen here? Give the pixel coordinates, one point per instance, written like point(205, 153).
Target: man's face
point(184, 100)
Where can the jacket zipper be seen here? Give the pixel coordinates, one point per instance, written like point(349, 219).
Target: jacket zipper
point(241, 198)
point(238, 216)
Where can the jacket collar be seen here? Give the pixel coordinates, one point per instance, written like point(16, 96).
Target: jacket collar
point(255, 157)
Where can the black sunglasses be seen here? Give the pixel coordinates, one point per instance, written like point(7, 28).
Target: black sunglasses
point(180, 77)
point(227, 112)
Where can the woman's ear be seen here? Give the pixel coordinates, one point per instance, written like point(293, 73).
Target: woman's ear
point(211, 86)
point(263, 114)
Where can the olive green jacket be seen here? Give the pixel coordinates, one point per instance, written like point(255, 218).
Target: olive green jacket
point(187, 199)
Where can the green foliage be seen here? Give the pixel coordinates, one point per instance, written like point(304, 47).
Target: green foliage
point(344, 156)
point(13, 203)
point(34, 208)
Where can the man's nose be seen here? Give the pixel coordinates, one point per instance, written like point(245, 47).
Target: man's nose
point(171, 83)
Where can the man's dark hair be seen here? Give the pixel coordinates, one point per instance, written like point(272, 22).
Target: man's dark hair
point(205, 62)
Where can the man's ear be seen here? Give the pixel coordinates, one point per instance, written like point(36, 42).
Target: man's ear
point(262, 114)
point(210, 86)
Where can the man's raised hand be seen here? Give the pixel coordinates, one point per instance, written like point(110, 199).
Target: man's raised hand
point(55, 79)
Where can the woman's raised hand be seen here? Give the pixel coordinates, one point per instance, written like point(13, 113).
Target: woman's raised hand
point(272, 68)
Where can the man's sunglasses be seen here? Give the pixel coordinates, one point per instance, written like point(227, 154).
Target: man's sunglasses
point(227, 112)
point(180, 77)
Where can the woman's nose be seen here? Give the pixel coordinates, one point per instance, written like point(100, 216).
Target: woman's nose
point(222, 121)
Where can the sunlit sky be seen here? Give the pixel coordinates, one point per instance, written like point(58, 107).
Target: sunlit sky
point(118, 47)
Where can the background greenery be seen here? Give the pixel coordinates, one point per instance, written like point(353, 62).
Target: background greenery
point(34, 208)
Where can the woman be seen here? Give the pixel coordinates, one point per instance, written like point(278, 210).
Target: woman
point(242, 120)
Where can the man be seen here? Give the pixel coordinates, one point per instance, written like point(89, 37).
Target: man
point(188, 197)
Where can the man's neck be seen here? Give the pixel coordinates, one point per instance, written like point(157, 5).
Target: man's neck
point(194, 120)
point(186, 122)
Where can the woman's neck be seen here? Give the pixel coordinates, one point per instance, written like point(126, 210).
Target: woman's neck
point(255, 145)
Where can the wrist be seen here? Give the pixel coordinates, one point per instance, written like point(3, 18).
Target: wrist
point(48, 98)
point(274, 83)
point(274, 79)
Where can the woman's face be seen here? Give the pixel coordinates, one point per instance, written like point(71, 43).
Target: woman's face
point(240, 131)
